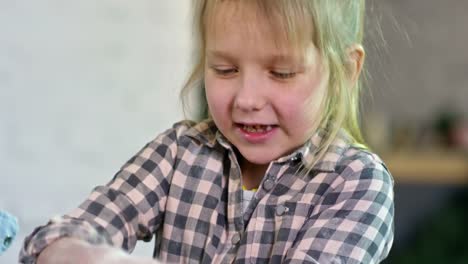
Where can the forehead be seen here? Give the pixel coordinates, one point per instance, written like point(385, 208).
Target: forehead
point(252, 20)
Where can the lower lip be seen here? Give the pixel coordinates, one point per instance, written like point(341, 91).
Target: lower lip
point(257, 137)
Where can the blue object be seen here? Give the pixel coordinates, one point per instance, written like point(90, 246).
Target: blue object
point(8, 230)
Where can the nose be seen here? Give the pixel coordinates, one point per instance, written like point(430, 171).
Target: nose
point(249, 96)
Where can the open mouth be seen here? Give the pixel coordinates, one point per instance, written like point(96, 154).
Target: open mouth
point(256, 128)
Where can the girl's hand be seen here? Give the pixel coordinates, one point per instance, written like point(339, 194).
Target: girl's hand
point(71, 250)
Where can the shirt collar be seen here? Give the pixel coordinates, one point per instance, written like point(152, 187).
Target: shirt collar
point(205, 132)
point(208, 134)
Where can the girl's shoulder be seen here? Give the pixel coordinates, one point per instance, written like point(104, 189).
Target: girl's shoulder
point(190, 127)
point(358, 163)
point(348, 161)
point(188, 132)
point(354, 153)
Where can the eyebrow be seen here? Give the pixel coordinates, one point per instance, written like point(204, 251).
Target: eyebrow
point(219, 54)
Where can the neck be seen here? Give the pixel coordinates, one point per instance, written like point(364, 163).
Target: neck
point(252, 174)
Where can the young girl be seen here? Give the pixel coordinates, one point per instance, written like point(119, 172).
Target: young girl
point(275, 172)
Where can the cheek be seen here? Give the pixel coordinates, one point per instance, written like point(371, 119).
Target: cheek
point(315, 96)
point(210, 90)
point(295, 105)
point(301, 107)
point(216, 96)
point(294, 118)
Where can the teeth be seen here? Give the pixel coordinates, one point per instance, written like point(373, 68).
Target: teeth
point(257, 128)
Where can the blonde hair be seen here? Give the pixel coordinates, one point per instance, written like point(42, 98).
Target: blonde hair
point(332, 25)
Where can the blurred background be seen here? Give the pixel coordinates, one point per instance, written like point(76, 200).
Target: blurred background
point(85, 84)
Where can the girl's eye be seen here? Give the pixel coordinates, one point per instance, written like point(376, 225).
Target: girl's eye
point(283, 75)
point(225, 72)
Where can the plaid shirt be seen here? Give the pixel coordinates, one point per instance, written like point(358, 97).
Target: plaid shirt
point(184, 188)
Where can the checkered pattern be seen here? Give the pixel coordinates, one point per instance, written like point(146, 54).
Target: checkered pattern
point(185, 189)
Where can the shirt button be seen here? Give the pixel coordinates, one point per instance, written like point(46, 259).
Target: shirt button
point(268, 184)
point(235, 238)
point(281, 210)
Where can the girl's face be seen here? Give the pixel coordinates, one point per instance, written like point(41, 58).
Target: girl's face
point(263, 96)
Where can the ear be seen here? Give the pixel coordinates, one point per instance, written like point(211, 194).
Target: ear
point(355, 61)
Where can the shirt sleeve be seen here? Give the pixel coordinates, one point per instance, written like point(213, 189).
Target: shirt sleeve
point(352, 224)
point(127, 209)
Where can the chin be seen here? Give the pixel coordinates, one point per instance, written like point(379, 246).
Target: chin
point(258, 158)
